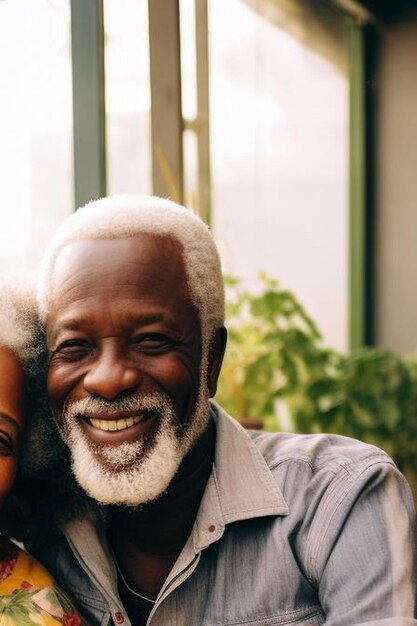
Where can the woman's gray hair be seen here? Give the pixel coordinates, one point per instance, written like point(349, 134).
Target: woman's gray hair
point(19, 320)
point(43, 457)
point(123, 216)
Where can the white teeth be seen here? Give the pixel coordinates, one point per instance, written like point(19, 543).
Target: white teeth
point(115, 424)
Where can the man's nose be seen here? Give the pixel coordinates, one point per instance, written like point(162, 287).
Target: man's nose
point(111, 375)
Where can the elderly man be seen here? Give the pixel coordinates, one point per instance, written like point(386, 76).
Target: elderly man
point(189, 519)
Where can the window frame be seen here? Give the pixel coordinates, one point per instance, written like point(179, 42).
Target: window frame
point(167, 123)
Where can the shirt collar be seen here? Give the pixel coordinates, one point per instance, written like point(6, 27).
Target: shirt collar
point(241, 485)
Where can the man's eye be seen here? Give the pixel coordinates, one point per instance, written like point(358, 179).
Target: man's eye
point(71, 349)
point(153, 342)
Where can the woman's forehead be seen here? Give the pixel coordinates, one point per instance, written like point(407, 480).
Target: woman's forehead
point(12, 381)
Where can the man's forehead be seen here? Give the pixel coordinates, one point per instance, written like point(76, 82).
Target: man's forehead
point(145, 262)
point(135, 258)
point(136, 248)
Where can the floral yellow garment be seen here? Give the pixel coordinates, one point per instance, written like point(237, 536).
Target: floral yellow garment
point(28, 594)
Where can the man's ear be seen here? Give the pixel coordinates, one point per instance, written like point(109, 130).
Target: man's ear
point(215, 359)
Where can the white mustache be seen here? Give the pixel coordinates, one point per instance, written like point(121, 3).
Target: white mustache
point(98, 406)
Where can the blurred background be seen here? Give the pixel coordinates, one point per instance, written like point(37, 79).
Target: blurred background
point(290, 126)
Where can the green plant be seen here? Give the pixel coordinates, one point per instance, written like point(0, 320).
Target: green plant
point(273, 351)
point(276, 369)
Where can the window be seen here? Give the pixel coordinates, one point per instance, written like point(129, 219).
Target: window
point(128, 98)
point(241, 109)
point(279, 139)
point(36, 190)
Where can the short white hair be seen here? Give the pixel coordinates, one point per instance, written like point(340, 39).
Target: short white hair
point(124, 216)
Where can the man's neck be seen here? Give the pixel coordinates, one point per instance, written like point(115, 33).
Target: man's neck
point(148, 540)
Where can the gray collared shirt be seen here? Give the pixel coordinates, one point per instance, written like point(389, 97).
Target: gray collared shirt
point(292, 529)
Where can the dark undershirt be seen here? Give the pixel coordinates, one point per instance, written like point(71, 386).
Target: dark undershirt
point(187, 499)
point(137, 608)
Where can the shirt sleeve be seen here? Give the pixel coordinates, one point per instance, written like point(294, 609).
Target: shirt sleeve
point(364, 552)
point(41, 607)
point(56, 607)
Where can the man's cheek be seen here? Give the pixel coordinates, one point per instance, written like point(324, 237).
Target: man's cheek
point(59, 385)
point(54, 385)
point(58, 413)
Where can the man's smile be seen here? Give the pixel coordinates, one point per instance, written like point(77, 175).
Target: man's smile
point(117, 428)
point(115, 424)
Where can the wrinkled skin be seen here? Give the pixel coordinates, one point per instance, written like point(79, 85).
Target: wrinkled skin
point(122, 324)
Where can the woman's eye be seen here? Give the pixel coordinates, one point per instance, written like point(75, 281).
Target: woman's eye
point(7, 446)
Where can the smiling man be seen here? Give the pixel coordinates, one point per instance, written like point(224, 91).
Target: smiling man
point(190, 519)
point(114, 331)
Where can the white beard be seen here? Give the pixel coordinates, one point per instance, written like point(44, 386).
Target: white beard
point(136, 472)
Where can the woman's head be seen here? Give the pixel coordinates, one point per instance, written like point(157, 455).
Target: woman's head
point(11, 416)
point(20, 348)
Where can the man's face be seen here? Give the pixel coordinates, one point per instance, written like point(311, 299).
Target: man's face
point(124, 371)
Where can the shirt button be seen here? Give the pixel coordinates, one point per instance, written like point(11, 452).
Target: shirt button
point(118, 618)
point(212, 528)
